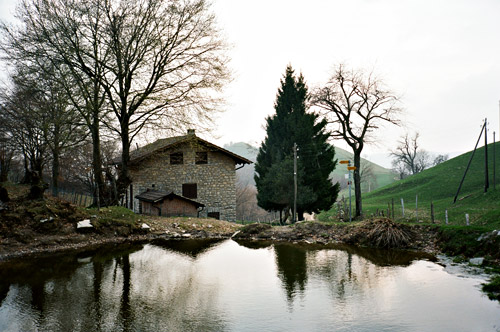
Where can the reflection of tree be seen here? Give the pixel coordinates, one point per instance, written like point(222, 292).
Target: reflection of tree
point(125, 311)
point(292, 268)
point(37, 295)
point(97, 281)
point(4, 290)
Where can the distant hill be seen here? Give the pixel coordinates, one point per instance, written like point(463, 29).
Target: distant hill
point(245, 174)
point(381, 176)
point(439, 185)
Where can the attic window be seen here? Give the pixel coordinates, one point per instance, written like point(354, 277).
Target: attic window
point(176, 158)
point(201, 158)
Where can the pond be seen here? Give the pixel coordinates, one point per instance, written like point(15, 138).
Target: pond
point(230, 286)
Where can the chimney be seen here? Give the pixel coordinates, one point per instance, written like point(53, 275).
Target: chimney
point(191, 132)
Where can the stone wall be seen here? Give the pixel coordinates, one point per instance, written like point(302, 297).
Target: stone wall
point(215, 180)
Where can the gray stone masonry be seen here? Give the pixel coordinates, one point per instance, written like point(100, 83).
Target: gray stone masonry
point(215, 180)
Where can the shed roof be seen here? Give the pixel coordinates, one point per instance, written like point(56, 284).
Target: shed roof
point(169, 142)
point(157, 196)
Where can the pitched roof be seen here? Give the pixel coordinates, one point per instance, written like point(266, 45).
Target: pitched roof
point(165, 143)
point(157, 196)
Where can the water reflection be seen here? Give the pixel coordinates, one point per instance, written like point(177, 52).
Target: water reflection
point(292, 268)
point(251, 286)
point(192, 248)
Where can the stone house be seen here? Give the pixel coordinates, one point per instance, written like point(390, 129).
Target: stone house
point(184, 172)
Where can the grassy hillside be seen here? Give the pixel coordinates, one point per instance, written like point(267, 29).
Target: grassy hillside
point(381, 176)
point(439, 185)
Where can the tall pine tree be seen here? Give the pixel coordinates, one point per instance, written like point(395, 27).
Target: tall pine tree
point(274, 167)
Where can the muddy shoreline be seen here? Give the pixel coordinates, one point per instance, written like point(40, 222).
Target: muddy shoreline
point(425, 238)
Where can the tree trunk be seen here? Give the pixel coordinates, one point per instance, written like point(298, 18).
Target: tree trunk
point(300, 215)
point(96, 161)
point(4, 170)
point(124, 179)
point(357, 182)
point(27, 173)
point(55, 168)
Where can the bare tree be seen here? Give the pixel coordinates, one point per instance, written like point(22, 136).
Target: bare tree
point(439, 159)
point(367, 176)
point(166, 58)
point(7, 148)
point(354, 104)
point(26, 118)
point(399, 168)
point(66, 34)
point(409, 154)
point(151, 63)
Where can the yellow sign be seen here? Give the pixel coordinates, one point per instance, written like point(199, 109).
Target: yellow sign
point(351, 168)
point(344, 162)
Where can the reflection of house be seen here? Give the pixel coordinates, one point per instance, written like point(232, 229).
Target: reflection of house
point(184, 172)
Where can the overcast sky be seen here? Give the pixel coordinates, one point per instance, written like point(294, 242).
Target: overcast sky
point(441, 56)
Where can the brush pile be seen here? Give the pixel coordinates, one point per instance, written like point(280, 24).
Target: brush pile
point(382, 233)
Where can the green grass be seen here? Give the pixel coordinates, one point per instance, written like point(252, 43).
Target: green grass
point(439, 186)
point(114, 215)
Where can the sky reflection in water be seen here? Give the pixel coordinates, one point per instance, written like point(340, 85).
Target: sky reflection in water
point(246, 286)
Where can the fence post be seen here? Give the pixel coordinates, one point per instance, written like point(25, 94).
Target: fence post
point(467, 219)
point(446, 216)
point(432, 212)
point(393, 215)
point(403, 206)
point(416, 207)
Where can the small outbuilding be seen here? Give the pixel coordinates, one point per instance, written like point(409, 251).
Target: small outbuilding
point(167, 204)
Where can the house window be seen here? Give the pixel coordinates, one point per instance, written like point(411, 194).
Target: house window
point(190, 190)
point(201, 158)
point(176, 158)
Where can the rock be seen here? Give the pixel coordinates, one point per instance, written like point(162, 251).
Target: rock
point(84, 226)
point(210, 226)
point(486, 236)
point(174, 234)
point(45, 220)
point(145, 226)
point(186, 235)
point(476, 261)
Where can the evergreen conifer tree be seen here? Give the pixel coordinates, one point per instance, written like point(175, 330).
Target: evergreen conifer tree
point(274, 167)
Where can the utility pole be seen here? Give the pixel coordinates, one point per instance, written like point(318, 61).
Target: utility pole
point(295, 182)
point(486, 178)
point(468, 165)
point(494, 163)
